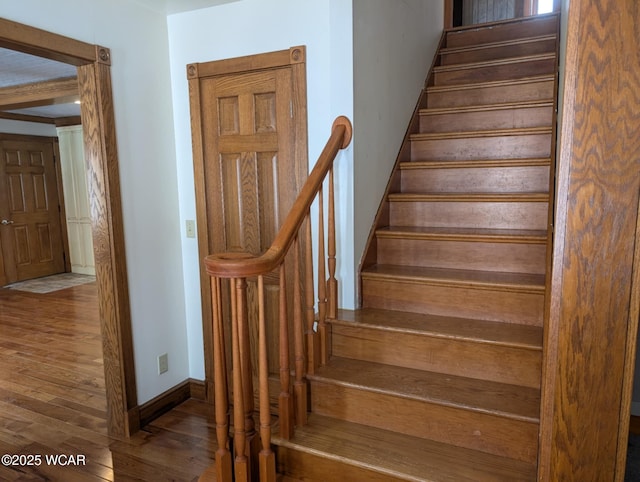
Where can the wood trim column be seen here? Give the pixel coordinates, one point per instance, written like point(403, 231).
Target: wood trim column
point(100, 148)
point(448, 14)
point(530, 7)
point(592, 314)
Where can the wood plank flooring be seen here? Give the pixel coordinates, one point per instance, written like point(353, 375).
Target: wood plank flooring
point(52, 400)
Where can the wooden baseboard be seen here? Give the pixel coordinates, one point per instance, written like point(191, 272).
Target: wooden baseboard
point(173, 397)
point(198, 389)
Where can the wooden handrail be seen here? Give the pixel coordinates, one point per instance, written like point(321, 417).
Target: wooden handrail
point(242, 265)
point(252, 450)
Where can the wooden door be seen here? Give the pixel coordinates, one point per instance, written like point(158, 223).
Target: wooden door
point(250, 160)
point(250, 186)
point(30, 233)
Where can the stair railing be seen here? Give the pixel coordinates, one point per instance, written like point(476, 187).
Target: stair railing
point(253, 459)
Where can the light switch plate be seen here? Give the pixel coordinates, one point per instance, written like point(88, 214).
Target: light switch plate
point(191, 228)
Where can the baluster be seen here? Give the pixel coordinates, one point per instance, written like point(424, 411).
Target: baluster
point(267, 460)
point(322, 288)
point(252, 441)
point(332, 283)
point(322, 282)
point(300, 384)
point(285, 401)
point(241, 461)
point(313, 347)
point(224, 469)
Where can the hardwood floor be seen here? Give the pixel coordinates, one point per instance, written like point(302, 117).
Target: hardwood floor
point(52, 401)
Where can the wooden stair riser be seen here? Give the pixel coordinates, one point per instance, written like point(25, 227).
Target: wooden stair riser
point(490, 93)
point(496, 118)
point(474, 179)
point(495, 215)
point(524, 47)
point(498, 363)
point(525, 308)
point(474, 255)
point(493, 71)
point(499, 32)
point(492, 146)
point(452, 425)
point(310, 467)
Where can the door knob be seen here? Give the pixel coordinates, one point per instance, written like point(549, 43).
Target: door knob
point(5, 222)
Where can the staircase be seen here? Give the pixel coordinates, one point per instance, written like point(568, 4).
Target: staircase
point(437, 377)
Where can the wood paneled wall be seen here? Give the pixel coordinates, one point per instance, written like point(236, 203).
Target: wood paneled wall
point(593, 317)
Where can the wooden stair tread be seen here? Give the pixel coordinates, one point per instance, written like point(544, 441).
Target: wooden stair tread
point(469, 197)
point(482, 396)
point(478, 331)
point(488, 279)
point(486, 107)
point(402, 456)
point(476, 163)
point(481, 133)
point(493, 63)
point(529, 236)
point(502, 43)
point(491, 83)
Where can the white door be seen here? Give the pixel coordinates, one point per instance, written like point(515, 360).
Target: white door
point(76, 200)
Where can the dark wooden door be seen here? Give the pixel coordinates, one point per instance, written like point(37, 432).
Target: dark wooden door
point(249, 130)
point(30, 233)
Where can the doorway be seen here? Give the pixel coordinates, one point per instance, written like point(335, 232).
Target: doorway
point(470, 12)
point(93, 83)
point(249, 131)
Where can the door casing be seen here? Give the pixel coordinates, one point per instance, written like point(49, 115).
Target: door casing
point(101, 157)
point(292, 59)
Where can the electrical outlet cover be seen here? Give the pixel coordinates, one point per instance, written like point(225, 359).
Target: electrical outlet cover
point(163, 364)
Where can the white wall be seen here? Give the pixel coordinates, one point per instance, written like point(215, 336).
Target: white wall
point(394, 44)
point(251, 27)
point(138, 41)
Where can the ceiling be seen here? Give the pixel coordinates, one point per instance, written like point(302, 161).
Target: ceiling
point(169, 7)
point(19, 69)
